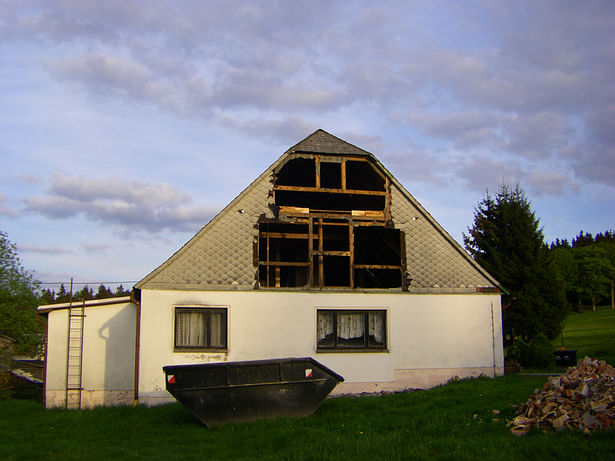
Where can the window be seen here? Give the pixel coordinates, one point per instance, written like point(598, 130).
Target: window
point(200, 328)
point(351, 329)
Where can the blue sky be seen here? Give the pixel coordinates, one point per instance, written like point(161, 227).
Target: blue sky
point(125, 126)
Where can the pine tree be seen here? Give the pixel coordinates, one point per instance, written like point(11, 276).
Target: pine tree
point(84, 294)
point(63, 296)
point(507, 241)
point(103, 292)
point(48, 296)
point(120, 291)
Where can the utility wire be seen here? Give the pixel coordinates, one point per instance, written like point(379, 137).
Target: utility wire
point(87, 283)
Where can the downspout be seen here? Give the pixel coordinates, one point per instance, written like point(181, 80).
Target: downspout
point(135, 297)
point(493, 340)
point(45, 349)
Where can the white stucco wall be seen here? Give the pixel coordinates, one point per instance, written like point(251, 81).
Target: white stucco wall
point(108, 356)
point(431, 338)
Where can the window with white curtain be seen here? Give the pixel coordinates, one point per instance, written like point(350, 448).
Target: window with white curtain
point(351, 329)
point(200, 328)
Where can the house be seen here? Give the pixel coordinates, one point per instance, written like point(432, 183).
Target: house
point(325, 255)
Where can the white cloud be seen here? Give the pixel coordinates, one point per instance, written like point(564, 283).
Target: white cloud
point(49, 250)
point(132, 205)
point(549, 183)
point(7, 210)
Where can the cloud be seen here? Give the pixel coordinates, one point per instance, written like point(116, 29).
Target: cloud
point(549, 183)
point(6, 210)
point(463, 129)
point(480, 173)
point(415, 164)
point(95, 248)
point(49, 250)
point(132, 205)
point(531, 81)
point(288, 129)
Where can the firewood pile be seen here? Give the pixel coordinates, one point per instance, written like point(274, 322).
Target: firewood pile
point(583, 399)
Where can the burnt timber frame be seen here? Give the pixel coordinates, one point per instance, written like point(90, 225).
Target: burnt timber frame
point(330, 249)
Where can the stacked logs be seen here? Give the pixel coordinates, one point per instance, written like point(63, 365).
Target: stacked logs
point(583, 399)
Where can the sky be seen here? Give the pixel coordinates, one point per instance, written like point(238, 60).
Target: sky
point(126, 125)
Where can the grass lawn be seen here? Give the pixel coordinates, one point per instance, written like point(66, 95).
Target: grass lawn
point(591, 333)
point(456, 421)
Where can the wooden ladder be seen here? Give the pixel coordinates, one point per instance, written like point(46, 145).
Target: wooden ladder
point(74, 361)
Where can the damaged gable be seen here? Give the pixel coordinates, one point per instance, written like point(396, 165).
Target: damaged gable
point(333, 226)
point(326, 215)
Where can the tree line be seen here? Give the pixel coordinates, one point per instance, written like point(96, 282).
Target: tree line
point(49, 296)
point(587, 268)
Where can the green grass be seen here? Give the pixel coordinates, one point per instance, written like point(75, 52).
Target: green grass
point(591, 333)
point(450, 422)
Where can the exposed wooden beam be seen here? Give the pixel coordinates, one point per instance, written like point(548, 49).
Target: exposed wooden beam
point(279, 187)
point(376, 266)
point(284, 263)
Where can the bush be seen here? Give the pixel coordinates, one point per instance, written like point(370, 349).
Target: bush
point(537, 354)
point(6, 387)
point(541, 352)
point(519, 352)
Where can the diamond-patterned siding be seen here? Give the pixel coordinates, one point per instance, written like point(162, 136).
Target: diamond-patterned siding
point(433, 260)
point(221, 255)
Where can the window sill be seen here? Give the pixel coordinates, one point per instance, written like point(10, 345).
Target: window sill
point(199, 349)
point(352, 351)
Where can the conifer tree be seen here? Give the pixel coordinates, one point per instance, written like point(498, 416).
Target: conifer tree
point(507, 241)
point(48, 296)
point(62, 296)
point(103, 292)
point(120, 291)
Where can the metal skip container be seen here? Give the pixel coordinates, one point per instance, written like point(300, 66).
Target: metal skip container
point(223, 392)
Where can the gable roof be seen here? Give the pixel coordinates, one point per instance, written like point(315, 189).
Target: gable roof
point(222, 256)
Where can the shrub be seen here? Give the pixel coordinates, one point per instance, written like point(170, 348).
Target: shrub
point(537, 354)
point(541, 352)
point(6, 387)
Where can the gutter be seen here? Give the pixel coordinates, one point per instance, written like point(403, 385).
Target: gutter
point(86, 303)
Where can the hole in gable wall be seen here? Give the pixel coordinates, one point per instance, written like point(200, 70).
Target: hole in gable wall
point(333, 229)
